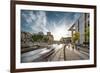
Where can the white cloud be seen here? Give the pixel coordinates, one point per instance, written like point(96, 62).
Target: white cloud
point(41, 21)
point(60, 31)
point(36, 21)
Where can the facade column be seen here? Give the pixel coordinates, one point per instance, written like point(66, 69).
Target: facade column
point(72, 34)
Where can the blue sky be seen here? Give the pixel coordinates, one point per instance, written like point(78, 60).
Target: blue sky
point(55, 22)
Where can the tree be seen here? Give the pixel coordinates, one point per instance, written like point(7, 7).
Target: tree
point(76, 37)
point(37, 38)
point(45, 39)
point(40, 38)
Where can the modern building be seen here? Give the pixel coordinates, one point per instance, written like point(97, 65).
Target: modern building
point(80, 26)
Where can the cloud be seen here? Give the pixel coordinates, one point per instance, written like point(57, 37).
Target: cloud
point(35, 21)
point(61, 30)
point(41, 21)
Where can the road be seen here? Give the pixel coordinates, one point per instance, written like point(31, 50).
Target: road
point(67, 53)
point(56, 52)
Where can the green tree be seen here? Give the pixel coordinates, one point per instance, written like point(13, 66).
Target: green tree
point(37, 38)
point(45, 39)
point(76, 37)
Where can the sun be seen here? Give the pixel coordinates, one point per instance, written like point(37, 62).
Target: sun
point(60, 32)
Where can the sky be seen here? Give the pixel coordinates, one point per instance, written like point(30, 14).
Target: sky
point(56, 22)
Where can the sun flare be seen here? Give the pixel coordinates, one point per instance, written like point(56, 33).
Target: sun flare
point(60, 32)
